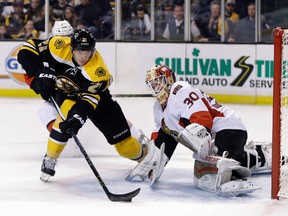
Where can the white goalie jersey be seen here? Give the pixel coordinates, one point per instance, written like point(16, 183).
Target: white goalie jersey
point(188, 109)
point(189, 103)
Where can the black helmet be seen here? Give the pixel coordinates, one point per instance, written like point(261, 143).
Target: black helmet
point(82, 39)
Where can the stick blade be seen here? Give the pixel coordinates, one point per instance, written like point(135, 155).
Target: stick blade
point(124, 197)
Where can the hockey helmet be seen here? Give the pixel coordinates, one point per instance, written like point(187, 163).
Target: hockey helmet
point(159, 80)
point(83, 39)
point(62, 28)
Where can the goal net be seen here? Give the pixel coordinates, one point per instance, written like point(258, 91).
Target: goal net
point(280, 116)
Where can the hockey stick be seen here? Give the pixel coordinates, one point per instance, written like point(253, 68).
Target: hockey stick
point(113, 197)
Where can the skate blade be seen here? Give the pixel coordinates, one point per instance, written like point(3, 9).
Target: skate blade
point(44, 177)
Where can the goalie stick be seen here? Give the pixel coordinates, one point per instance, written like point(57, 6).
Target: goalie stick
point(127, 197)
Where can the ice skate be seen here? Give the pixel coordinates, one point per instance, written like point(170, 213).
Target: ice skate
point(47, 168)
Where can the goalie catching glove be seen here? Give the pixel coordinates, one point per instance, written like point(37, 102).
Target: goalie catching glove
point(44, 83)
point(75, 120)
point(196, 138)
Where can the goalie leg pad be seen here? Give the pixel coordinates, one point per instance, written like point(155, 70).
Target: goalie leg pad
point(156, 172)
point(225, 167)
point(231, 188)
point(263, 153)
point(205, 175)
point(218, 178)
point(148, 163)
point(236, 188)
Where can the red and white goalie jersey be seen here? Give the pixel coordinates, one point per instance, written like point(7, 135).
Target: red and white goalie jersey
point(187, 104)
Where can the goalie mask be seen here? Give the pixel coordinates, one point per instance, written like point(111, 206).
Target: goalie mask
point(159, 80)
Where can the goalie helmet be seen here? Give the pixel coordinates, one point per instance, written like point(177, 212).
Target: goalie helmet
point(62, 28)
point(159, 80)
point(83, 39)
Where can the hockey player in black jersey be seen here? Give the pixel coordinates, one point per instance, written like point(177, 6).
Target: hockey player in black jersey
point(79, 79)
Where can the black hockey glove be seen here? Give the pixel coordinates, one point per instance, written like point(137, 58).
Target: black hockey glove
point(73, 123)
point(44, 83)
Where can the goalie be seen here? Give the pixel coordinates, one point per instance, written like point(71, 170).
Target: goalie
point(215, 133)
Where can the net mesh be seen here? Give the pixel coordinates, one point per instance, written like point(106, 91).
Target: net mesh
point(283, 187)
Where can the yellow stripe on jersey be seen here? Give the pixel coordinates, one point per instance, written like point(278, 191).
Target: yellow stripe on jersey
point(93, 100)
point(30, 46)
point(31, 50)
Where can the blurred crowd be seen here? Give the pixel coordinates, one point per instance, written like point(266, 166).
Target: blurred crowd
point(24, 19)
point(205, 21)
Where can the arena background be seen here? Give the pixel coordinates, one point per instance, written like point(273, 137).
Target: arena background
point(234, 73)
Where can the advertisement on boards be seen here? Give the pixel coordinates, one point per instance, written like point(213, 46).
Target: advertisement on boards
point(11, 72)
point(233, 69)
point(221, 69)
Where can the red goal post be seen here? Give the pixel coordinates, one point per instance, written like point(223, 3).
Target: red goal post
point(279, 180)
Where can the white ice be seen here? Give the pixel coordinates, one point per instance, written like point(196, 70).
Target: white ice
point(75, 191)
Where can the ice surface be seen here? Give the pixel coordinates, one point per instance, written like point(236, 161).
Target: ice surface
point(75, 191)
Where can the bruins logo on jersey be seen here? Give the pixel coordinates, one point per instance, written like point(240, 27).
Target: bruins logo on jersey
point(65, 84)
point(100, 72)
point(59, 43)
